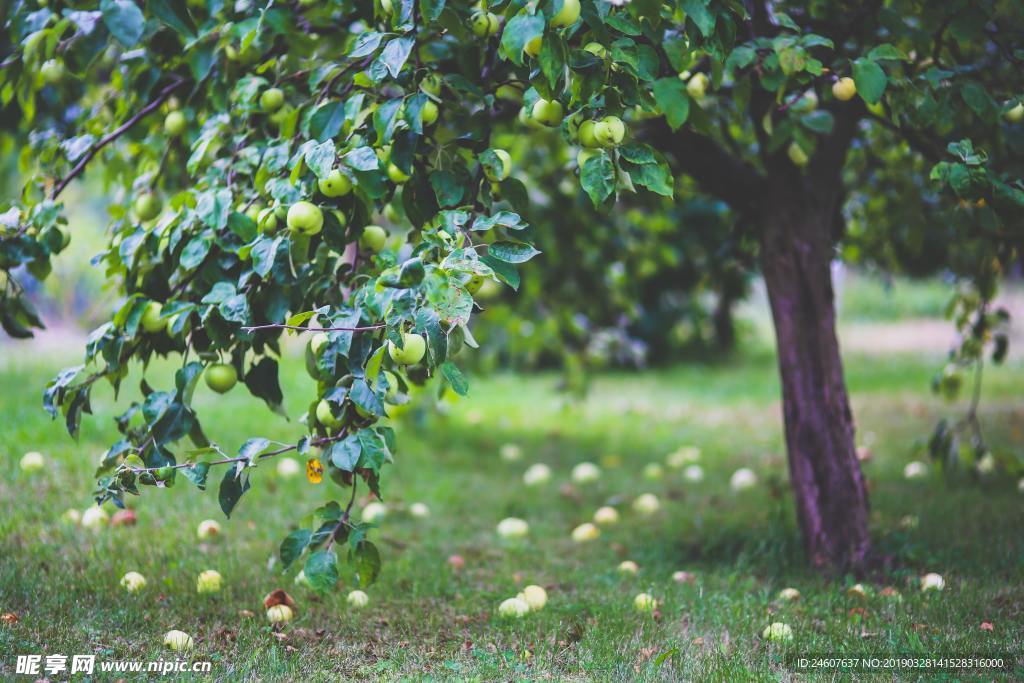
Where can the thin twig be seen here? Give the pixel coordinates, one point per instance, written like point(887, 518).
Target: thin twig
point(121, 130)
point(241, 458)
point(276, 326)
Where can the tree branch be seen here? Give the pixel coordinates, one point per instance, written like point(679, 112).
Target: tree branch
point(277, 326)
point(719, 173)
point(121, 130)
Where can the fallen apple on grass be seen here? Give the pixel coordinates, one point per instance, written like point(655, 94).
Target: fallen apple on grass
point(133, 582)
point(209, 581)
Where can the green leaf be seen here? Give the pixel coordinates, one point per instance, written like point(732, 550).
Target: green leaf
point(888, 51)
point(321, 570)
point(598, 177)
point(327, 121)
point(455, 378)
point(449, 187)
point(870, 80)
point(364, 397)
point(197, 474)
point(173, 14)
point(320, 158)
point(262, 382)
point(512, 252)
point(698, 11)
point(431, 9)
point(670, 94)
point(124, 20)
point(519, 31)
point(395, 53)
point(820, 121)
point(345, 454)
point(232, 486)
point(293, 546)
point(365, 558)
point(506, 272)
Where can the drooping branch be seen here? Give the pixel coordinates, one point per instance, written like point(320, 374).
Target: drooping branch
point(114, 135)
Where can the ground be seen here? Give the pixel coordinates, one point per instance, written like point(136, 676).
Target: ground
point(426, 619)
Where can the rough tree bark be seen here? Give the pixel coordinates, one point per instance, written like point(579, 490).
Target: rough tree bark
point(828, 486)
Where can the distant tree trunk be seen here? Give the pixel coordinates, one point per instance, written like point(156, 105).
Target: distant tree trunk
point(831, 498)
point(721, 318)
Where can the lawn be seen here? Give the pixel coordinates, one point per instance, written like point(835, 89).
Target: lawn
point(427, 619)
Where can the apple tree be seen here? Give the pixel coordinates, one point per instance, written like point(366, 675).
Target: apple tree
point(253, 149)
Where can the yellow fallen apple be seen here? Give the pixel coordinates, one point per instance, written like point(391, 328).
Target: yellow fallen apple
point(513, 527)
point(510, 452)
point(742, 479)
point(628, 567)
point(280, 614)
point(209, 581)
point(932, 582)
point(133, 582)
point(33, 461)
point(178, 640)
point(778, 632)
point(357, 599)
point(645, 602)
point(208, 529)
point(94, 518)
point(683, 456)
point(513, 608)
point(534, 596)
point(585, 532)
point(537, 474)
point(789, 594)
point(694, 474)
point(586, 473)
point(288, 468)
point(646, 504)
point(606, 515)
point(419, 510)
point(374, 511)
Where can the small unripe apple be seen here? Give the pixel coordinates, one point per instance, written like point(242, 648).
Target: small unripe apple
point(266, 220)
point(483, 24)
point(844, 89)
point(305, 218)
point(280, 614)
point(178, 641)
point(645, 602)
point(208, 529)
point(151, 319)
point(387, 6)
point(1016, 114)
point(397, 175)
point(585, 532)
point(221, 377)
point(431, 84)
point(415, 346)
point(509, 91)
point(533, 46)
point(547, 112)
point(596, 49)
point(428, 113)
point(603, 134)
point(336, 184)
point(373, 239)
point(133, 582)
point(325, 415)
point(697, 85)
point(513, 608)
point(271, 100)
point(616, 128)
point(357, 599)
point(147, 206)
point(568, 15)
point(209, 581)
point(175, 124)
point(506, 167)
point(797, 154)
point(53, 71)
point(587, 135)
point(806, 103)
point(32, 461)
point(606, 515)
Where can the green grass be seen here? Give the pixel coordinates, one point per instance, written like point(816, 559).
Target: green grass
point(869, 298)
point(425, 620)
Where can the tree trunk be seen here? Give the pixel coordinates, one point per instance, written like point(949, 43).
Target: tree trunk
point(831, 498)
point(721, 318)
